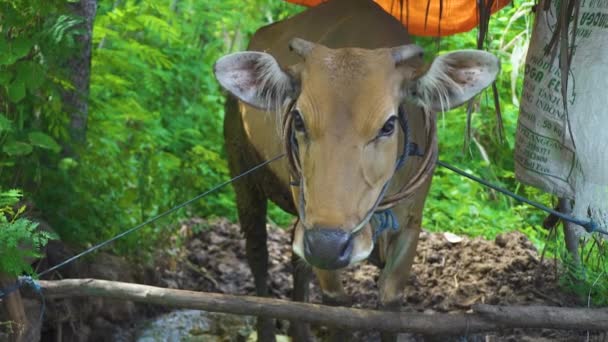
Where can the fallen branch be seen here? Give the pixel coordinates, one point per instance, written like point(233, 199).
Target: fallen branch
point(484, 318)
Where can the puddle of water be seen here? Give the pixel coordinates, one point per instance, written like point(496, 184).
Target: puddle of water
point(191, 326)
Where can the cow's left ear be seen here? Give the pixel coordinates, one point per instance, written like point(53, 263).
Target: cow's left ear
point(453, 78)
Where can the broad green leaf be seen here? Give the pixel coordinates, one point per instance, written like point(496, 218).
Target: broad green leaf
point(12, 51)
point(20, 47)
point(44, 141)
point(31, 73)
point(5, 77)
point(16, 91)
point(17, 148)
point(5, 124)
point(4, 56)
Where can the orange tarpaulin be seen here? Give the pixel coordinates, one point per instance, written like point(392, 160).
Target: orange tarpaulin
point(456, 15)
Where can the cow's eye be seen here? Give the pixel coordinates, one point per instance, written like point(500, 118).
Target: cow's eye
point(389, 127)
point(298, 122)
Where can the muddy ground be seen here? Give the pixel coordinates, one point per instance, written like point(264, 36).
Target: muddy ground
point(449, 275)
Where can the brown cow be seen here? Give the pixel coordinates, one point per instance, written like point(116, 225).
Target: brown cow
point(346, 109)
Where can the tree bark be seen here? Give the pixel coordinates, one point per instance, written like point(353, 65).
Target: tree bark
point(484, 317)
point(13, 305)
point(76, 100)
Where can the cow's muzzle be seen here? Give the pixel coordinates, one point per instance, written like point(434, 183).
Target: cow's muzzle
point(327, 248)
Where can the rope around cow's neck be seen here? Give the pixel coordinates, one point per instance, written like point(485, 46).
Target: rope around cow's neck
point(381, 211)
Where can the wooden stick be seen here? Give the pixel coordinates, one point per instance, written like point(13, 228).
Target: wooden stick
point(485, 317)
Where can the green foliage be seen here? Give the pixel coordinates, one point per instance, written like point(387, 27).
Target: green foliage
point(155, 138)
point(587, 278)
point(35, 39)
point(155, 123)
point(590, 279)
point(463, 206)
point(19, 238)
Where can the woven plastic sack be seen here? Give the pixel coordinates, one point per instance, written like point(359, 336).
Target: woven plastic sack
point(565, 152)
point(445, 17)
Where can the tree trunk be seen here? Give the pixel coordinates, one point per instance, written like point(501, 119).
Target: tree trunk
point(76, 100)
point(13, 305)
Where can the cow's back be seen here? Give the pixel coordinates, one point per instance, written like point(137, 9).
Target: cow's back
point(335, 24)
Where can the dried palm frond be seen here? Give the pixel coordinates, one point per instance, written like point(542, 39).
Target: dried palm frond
point(562, 45)
point(484, 11)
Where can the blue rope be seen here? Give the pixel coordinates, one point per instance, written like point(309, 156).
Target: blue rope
point(159, 216)
point(35, 285)
point(387, 220)
point(590, 226)
point(22, 280)
point(384, 220)
point(27, 280)
point(31, 282)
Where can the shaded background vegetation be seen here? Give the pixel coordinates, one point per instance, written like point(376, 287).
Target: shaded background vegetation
point(155, 115)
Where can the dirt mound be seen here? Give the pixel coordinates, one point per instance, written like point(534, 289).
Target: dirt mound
point(449, 275)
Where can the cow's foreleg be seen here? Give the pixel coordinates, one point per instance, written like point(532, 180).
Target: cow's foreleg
point(300, 331)
point(257, 258)
point(252, 207)
point(334, 295)
point(400, 254)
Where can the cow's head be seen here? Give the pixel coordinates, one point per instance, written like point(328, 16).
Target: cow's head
point(345, 119)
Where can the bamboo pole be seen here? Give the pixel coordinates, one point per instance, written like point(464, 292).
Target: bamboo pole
point(484, 317)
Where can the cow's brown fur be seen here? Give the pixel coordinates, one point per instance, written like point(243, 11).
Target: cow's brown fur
point(345, 96)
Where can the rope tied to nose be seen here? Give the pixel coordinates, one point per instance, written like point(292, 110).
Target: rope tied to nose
point(28, 280)
point(385, 219)
point(381, 213)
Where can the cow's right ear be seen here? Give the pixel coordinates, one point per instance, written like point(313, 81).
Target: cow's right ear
point(256, 79)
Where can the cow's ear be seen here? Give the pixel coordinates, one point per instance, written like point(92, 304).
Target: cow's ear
point(453, 78)
point(255, 78)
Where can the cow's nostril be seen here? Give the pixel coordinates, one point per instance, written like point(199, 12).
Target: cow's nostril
point(328, 248)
